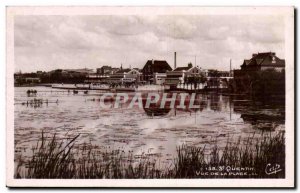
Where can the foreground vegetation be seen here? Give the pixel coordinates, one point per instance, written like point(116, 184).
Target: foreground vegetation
point(54, 158)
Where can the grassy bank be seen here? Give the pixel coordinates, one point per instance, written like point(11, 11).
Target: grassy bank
point(55, 158)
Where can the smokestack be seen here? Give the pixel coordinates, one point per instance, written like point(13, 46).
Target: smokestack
point(174, 60)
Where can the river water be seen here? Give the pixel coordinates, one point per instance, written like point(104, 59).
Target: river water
point(220, 119)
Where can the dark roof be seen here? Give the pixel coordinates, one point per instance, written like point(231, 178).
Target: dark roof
point(80, 70)
point(160, 66)
point(264, 59)
point(182, 68)
point(247, 62)
point(137, 69)
point(107, 67)
point(124, 70)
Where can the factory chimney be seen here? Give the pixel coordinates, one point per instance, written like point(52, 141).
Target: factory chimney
point(230, 68)
point(174, 60)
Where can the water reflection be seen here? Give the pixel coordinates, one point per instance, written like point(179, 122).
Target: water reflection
point(140, 129)
point(180, 104)
point(263, 115)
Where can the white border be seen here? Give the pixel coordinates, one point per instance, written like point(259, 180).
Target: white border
point(288, 12)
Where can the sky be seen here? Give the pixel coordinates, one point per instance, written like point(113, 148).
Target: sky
point(208, 41)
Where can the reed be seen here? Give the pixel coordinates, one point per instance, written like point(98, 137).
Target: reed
point(253, 156)
point(53, 158)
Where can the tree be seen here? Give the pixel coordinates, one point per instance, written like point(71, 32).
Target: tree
point(190, 65)
point(263, 84)
point(195, 80)
point(214, 73)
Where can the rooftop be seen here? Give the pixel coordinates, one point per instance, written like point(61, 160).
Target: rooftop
point(182, 68)
point(124, 70)
point(159, 66)
point(264, 58)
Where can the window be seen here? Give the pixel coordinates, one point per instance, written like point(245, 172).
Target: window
point(273, 59)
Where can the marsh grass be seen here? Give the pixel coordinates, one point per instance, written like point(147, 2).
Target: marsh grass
point(253, 155)
point(55, 158)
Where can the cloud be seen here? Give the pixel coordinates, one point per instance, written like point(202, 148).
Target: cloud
point(175, 27)
point(49, 42)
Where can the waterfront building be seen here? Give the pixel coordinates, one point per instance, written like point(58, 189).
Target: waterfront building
point(125, 76)
point(180, 75)
point(32, 80)
point(177, 76)
point(259, 63)
point(188, 77)
point(159, 78)
point(26, 78)
point(263, 61)
point(155, 66)
point(96, 78)
point(106, 70)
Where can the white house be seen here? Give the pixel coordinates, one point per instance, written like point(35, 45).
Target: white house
point(159, 78)
point(179, 75)
point(125, 75)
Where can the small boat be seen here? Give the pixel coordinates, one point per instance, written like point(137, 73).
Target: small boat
point(75, 91)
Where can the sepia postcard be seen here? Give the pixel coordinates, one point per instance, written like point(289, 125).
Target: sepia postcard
point(150, 97)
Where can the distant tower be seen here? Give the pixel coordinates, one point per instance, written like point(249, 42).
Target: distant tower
point(230, 68)
point(121, 67)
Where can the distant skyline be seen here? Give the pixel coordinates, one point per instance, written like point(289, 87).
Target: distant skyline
point(51, 42)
